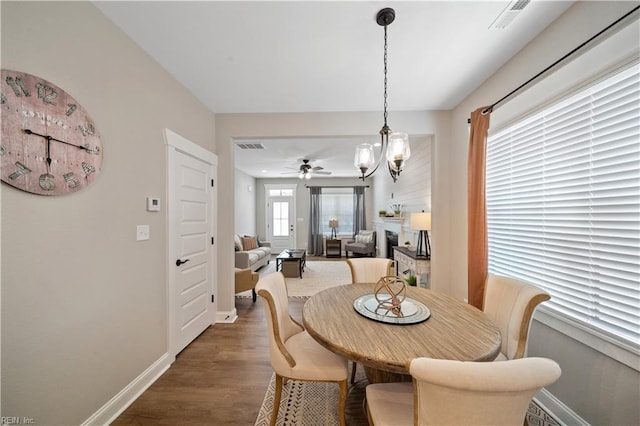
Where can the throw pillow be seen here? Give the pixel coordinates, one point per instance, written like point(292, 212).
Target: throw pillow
point(249, 243)
point(237, 242)
point(364, 237)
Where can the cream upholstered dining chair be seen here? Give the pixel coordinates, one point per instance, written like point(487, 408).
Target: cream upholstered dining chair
point(294, 353)
point(447, 392)
point(368, 270)
point(510, 304)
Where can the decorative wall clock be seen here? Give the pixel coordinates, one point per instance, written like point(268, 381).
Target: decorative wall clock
point(49, 143)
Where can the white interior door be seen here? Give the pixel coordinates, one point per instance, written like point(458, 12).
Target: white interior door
point(192, 261)
point(281, 224)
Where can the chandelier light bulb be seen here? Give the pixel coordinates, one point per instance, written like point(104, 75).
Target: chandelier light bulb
point(398, 150)
point(364, 157)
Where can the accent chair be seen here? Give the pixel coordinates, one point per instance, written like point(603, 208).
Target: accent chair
point(294, 353)
point(448, 392)
point(363, 244)
point(246, 279)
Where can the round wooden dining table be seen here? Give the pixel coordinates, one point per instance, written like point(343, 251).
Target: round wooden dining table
point(455, 330)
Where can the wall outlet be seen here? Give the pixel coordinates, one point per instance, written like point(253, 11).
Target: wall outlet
point(142, 232)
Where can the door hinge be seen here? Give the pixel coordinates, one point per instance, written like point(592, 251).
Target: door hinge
point(213, 298)
point(213, 239)
point(212, 183)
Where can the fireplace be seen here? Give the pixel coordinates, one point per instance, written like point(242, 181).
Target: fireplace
point(392, 240)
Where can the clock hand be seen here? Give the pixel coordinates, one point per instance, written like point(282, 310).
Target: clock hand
point(47, 181)
point(86, 148)
point(48, 152)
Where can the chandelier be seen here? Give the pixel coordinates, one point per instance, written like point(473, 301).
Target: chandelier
point(396, 144)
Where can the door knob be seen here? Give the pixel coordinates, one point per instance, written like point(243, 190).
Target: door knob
point(180, 262)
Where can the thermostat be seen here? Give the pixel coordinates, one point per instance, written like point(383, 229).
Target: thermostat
point(153, 204)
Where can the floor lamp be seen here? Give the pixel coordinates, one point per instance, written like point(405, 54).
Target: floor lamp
point(421, 222)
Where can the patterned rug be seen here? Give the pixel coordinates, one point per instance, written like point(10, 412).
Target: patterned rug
point(315, 404)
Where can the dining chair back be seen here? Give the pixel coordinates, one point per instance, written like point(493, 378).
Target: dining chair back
point(293, 352)
point(510, 303)
point(369, 269)
point(448, 392)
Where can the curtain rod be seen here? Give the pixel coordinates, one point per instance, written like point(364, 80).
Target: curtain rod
point(336, 186)
point(535, 77)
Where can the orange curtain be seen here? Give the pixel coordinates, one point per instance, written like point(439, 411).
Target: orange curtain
point(478, 251)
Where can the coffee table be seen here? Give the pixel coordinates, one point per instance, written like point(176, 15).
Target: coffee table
point(297, 256)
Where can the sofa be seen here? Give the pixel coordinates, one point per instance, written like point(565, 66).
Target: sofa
point(246, 279)
point(251, 254)
point(364, 244)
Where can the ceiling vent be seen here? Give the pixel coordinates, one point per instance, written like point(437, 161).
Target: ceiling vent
point(250, 145)
point(512, 10)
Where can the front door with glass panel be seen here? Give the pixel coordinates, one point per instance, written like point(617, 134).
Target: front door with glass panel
point(281, 229)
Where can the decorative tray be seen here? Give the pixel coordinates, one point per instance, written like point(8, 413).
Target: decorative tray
point(411, 311)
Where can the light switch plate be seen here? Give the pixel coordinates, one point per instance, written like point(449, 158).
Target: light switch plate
point(142, 232)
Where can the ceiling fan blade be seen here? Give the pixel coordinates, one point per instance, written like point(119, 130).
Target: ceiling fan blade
point(321, 173)
point(317, 168)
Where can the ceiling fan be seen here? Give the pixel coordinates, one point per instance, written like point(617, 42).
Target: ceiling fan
point(305, 171)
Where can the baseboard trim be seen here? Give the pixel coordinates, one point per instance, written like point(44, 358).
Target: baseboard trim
point(227, 316)
point(556, 409)
point(116, 406)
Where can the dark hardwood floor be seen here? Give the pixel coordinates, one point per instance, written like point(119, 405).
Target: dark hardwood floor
point(220, 378)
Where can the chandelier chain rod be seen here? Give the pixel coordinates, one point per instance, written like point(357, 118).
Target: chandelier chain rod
point(385, 76)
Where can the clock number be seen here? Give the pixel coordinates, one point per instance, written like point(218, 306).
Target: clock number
point(3, 150)
point(17, 84)
point(87, 130)
point(72, 181)
point(72, 108)
point(47, 182)
point(42, 93)
point(22, 170)
point(3, 98)
point(88, 168)
point(94, 151)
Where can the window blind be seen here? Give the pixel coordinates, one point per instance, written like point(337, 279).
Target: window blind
point(563, 204)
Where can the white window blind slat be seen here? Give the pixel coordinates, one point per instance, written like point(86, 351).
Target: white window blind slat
point(563, 204)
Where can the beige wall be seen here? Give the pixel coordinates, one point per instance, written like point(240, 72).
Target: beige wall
point(83, 303)
point(245, 204)
point(590, 379)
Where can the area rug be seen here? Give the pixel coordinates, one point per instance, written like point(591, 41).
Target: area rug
point(315, 403)
point(317, 276)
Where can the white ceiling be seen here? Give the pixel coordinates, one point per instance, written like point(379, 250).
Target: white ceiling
point(302, 56)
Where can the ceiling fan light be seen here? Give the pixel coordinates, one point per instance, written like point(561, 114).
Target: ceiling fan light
point(307, 176)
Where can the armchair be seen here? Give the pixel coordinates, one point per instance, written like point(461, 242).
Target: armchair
point(364, 244)
point(246, 279)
